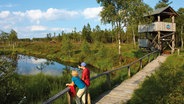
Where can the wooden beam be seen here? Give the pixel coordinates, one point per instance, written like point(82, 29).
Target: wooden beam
point(154, 39)
point(158, 18)
point(159, 42)
point(173, 37)
point(173, 43)
point(166, 35)
point(172, 19)
point(170, 13)
point(169, 45)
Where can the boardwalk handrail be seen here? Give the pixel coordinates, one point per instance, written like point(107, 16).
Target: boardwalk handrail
point(107, 73)
point(50, 100)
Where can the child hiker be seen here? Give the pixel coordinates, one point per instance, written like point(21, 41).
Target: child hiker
point(86, 79)
point(80, 84)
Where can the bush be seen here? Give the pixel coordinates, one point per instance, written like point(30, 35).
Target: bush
point(11, 91)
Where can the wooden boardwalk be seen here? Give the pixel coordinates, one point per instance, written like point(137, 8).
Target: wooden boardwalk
point(123, 92)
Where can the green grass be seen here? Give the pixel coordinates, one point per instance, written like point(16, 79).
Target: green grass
point(101, 56)
point(166, 86)
point(36, 88)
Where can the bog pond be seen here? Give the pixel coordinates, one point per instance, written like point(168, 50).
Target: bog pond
point(29, 65)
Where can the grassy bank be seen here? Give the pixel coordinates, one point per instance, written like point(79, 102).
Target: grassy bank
point(166, 86)
point(99, 55)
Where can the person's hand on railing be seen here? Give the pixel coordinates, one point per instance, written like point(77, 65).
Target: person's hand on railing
point(67, 84)
point(70, 84)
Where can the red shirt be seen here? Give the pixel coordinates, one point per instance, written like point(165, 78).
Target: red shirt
point(86, 76)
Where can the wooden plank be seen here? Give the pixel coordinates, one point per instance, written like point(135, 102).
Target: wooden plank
point(122, 93)
point(157, 26)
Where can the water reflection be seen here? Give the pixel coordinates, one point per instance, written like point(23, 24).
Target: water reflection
point(32, 65)
point(28, 65)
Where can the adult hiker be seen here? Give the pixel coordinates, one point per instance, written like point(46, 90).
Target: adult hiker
point(85, 74)
point(85, 77)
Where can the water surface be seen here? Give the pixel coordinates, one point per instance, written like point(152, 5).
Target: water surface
point(29, 65)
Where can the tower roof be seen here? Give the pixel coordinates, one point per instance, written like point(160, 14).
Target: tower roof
point(165, 12)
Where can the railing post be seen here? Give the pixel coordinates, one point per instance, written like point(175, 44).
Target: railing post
point(149, 58)
point(141, 64)
point(154, 56)
point(129, 71)
point(108, 80)
point(69, 97)
point(88, 98)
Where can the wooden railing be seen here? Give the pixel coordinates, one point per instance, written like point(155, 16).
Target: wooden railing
point(107, 74)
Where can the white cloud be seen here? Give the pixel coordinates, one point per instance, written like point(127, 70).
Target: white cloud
point(37, 28)
point(4, 14)
point(92, 13)
point(37, 16)
point(51, 14)
point(54, 14)
point(19, 14)
point(37, 61)
point(57, 29)
point(34, 15)
point(36, 22)
point(7, 21)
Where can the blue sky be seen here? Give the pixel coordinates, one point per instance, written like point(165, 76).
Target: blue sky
point(36, 18)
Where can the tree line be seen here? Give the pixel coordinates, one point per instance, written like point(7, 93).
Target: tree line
point(8, 37)
point(123, 15)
